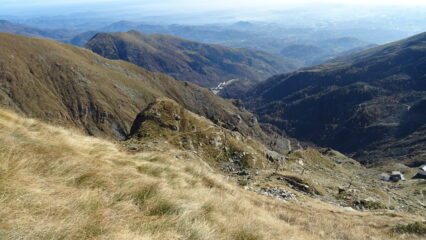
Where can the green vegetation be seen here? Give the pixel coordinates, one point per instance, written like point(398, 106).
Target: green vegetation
point(411, 228)
point(371, 205)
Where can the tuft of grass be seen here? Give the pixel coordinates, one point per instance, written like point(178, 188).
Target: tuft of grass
point(210, 183)
point(91, 230)
point(207, 208)
point(142, 195)
point(243, 182)
point(164, 207)
point(371, 205)
point(91, 180)
point(412, 228)
point(246, 235)
point(152, 170)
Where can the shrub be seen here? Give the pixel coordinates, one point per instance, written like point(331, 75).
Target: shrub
point(412, 228)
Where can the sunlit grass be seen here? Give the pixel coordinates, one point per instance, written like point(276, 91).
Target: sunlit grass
point(57, 184)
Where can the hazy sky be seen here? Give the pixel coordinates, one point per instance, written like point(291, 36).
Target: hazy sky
point(221, 2)
point(217, 4)
point(58, 7)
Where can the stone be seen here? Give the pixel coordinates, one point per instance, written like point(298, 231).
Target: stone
point(274, 156)
point(349, 209)
point(384, 177)
point(278, 193)
point(242, 173)
point(396, 176)
point(133, 147)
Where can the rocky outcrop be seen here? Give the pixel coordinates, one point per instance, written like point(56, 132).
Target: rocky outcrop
point(165, 120)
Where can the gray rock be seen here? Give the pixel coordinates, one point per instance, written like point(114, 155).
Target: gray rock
point(278, 193)
point(384, 177)
point(133, 147)
point(396, 176)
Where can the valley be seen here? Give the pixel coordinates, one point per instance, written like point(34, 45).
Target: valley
point(308, 126)
point(374, 96)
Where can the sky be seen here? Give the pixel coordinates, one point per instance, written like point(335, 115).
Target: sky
point(221, 2)
point(32, 8)
point(196, 4)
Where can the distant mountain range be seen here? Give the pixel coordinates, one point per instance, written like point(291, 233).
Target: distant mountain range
point(56, 34)
point(309, 50)
point(324, 50)
point(371, 104)
point(303, 45)
point(207, 65)
point(199, 33)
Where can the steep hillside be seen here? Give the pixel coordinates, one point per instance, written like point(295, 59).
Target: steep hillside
point(204, 64)
point(81, 39)
point(165, 120)
point(72, 86)
point(369, 103)
point(300, 174)
point(58, 184)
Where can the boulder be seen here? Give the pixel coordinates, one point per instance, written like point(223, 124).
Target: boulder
point(396, 176)
point(384, 177)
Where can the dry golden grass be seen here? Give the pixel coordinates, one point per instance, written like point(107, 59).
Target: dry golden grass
point(57, 184)
point(72, 86)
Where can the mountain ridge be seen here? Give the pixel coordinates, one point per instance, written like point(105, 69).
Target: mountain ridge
point(29, 31)
point(364, 95)
point(207, 65)
point(72, 86)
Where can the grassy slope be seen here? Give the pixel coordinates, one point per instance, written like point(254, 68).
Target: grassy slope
point(57, 184)
point(317, 173)
point(74, 87)
point(166, 121)
point(204, 64)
